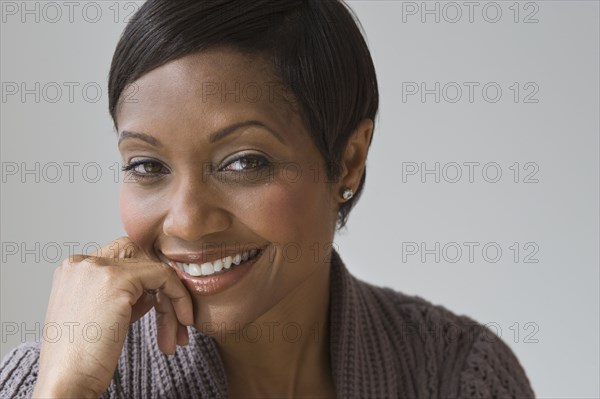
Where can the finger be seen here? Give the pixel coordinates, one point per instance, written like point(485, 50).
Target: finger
point(153, 275)
point(141, 307)
point(166, 324)
point(182, 335)
point(77, 258)
point(121, 248)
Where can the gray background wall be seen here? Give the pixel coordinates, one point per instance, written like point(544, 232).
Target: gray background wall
point(540, 131)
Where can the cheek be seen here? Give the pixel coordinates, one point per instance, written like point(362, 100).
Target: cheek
point(287, 212)
point(136, 218)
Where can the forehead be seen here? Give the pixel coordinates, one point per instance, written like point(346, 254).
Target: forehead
point(208, 89)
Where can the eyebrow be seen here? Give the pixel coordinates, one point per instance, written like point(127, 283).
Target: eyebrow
point(215, 136)
point(125, 134)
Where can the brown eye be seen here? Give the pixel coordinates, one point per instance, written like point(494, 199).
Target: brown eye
point(145, 169)
point(151, 167)
point(245, 163)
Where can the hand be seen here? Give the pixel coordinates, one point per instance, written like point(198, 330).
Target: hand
point(93, 301)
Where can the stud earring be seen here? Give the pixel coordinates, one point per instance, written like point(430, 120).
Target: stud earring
point(347, 193)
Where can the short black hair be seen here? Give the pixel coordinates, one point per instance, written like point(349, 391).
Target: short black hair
point(316, 47)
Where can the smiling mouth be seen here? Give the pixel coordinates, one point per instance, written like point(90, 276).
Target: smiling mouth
point(216, 267)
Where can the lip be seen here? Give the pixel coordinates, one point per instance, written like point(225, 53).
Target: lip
point(208, 256)
point(214, 284)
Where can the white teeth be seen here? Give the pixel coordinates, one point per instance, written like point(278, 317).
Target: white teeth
point(194, 270)
point(207, 269)
point(218, 265)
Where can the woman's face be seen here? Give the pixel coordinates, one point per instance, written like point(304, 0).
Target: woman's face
point(196, 196)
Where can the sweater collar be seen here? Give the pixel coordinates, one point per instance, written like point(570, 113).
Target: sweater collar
point(360, 350)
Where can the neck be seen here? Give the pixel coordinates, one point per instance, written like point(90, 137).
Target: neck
point(285, 352)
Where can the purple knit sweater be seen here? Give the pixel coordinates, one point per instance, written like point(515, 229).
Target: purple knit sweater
point(384, 344)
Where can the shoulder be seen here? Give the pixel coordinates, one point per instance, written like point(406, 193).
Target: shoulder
point(18, 371)
point(461, 357)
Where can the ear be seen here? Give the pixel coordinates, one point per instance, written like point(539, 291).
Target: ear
point(355, 155)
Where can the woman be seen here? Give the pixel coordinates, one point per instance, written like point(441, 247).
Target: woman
point(244, 129)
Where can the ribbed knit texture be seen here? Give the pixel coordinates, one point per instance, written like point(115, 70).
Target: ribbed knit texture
point(384, 344)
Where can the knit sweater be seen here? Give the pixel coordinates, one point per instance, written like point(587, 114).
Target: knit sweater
point(383, 344)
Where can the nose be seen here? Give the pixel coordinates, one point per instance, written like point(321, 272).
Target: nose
point(195, 211)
